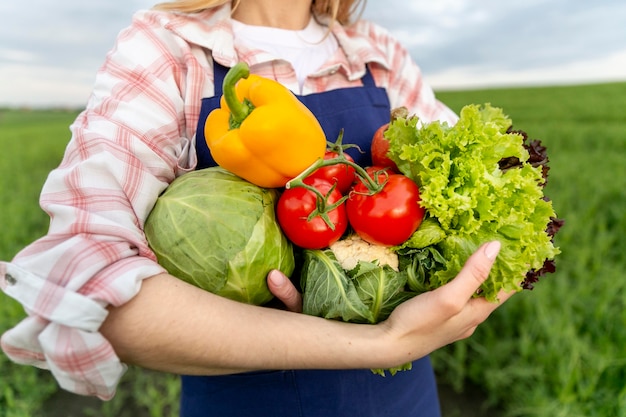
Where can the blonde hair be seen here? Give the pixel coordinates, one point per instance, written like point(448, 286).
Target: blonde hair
point(342, 11)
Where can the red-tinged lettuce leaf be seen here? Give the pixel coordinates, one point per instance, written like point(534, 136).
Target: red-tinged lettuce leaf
point(549, 265)
point(480, 181)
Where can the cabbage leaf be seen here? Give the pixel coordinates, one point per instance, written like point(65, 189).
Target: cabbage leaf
point(218, 232)
point(328, 291)
point(368, 293)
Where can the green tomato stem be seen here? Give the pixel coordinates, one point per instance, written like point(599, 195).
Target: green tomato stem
point(322, 207)
point(372, 184)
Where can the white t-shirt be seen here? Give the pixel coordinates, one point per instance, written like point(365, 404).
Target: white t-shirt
point(305, 49)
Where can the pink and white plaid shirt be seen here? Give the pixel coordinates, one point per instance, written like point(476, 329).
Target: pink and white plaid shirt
point(135, 136)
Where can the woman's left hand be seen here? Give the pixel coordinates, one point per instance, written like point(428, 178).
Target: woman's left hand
point(284, 290)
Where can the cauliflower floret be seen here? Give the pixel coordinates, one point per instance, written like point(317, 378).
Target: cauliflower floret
point(353, 249)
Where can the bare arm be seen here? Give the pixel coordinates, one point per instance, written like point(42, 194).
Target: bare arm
point(175, 327)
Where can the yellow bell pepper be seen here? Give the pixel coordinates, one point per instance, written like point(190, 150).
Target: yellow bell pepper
point(261, 131)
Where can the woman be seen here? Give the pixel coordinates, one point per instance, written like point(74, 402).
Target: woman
point(96, 296)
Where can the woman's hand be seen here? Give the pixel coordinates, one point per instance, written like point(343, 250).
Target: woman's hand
point(447, 314)
point(283, 289)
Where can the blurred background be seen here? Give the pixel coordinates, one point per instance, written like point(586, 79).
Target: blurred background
point(557, 68)
point(51, 51)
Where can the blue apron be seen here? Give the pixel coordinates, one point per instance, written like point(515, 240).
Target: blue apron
point(316, 393)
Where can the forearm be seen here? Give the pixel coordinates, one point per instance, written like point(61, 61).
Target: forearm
point(174, 327)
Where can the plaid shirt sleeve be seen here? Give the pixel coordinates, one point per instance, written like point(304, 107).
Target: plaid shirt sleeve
point(126, 147)
point(402, 77)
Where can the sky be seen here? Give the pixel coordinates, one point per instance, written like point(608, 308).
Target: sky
point(50, 51)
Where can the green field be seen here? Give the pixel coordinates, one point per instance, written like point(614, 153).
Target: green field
point(556, 351)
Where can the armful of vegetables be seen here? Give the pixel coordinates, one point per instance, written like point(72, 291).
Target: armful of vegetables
point(369, 239)
point(478, 181)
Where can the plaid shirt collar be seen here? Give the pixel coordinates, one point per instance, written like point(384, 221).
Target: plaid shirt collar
point(212, 29)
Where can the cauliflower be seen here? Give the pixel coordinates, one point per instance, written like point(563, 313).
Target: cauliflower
point(353, 249)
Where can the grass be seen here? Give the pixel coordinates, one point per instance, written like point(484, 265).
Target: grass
point(555, 351)
point(559, 350)
point(32, 144)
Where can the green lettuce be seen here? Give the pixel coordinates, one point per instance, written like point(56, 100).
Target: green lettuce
point(479, 181)
point(471, 199)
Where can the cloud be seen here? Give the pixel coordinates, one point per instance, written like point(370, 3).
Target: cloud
point(499, 39)
point(51, 51)
point(44, 86)
point(16, 55)
point(607, 69)
point(67, 32)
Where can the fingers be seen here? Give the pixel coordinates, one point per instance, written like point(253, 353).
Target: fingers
point(475, 271)
point(505, 295)
point(283, 289)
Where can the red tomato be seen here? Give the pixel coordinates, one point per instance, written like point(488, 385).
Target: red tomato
point(380, 148)
point(296, 204)
point(388, 217)
point(342, 174)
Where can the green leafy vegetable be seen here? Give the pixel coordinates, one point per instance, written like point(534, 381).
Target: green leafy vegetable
point(472, 198)
point(479, 181)
point(380, 288)
point(218, 232)
point(367, 293)
point(328, 291)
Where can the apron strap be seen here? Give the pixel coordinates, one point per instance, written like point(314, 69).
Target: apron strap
point(368, 79)
point(219, 72)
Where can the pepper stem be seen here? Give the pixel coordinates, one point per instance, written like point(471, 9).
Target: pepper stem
point(239, 110)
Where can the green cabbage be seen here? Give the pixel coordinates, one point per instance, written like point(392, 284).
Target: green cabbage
point(472, 196)
point(368, 293)
point(218, 232)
